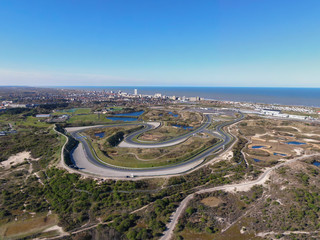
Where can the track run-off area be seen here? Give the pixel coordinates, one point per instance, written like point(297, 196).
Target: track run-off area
point(86, 161)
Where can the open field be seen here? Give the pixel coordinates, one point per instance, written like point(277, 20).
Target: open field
point(73, 111)
point(211, 201)
point(87, 119)
point(27, 226)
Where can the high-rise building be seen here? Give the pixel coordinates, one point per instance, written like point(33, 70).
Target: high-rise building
point(135, 91)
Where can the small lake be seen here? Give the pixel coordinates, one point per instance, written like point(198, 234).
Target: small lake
point(172, 114)
point(124, 119)
point(295, 143)
point(255, 147)
point(184, 127)
point(279, 154)
point(99, 134)
point(316, 163)
point(132, 114)
point(256, 160)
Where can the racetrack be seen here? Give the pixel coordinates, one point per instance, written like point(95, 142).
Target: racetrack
point(86, 160)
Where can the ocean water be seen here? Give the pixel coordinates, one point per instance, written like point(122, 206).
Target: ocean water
point(283, 96)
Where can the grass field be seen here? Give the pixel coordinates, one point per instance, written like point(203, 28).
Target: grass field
point(73, 111)
point(83, 116)
point(27, 226)
point(88, 119)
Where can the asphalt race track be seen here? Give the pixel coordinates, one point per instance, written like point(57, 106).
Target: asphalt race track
point(86, 161)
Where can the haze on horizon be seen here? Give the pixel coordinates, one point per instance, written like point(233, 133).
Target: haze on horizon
point(248, 43)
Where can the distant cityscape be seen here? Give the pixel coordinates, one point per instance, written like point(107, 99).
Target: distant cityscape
point(32, 97)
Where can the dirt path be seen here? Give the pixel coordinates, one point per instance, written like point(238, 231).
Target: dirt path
point(244, 186)
point(264, 234)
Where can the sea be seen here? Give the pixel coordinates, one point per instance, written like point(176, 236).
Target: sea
point(283, 96)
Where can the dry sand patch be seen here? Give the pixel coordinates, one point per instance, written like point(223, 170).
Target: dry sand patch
point(15, 159)
point(211, 201)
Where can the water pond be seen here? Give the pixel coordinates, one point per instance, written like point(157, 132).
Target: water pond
point(184, 127)
point(175, 115)
point(316, 163)
point(132, 114)
point(255, 147)
point(124, 119)
point(279, 154)
point(295, 143)
point(99, 134)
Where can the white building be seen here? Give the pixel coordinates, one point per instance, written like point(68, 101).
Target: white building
point(194, 99)
point(270, 112)
point(135, 91)
point(43, 115)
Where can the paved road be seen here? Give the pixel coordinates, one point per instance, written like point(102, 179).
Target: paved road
point(239, 187)
point(130, 142)
point(87, 161)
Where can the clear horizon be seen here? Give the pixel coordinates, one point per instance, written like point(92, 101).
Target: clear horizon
point(168, 43)
point(150, 86)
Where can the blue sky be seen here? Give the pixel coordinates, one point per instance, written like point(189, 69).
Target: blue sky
point(249, 43)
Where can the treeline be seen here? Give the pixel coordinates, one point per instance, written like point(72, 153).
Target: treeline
point(116, 138)
point(237, 155)
point(52, 106)
point(70, 145)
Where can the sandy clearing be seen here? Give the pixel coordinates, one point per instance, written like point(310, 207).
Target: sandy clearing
point(55, 228)
point(311, 134)
point(311, 140)
point(264, 234)
point(15, 159)
point(298, 151)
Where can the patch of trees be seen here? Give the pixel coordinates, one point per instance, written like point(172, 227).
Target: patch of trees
point(198, 218)
point(15, 111)
point(237, 155)
point(30, 199)
point(304, 178)
point(70, 145)
point(100, 232)
point(254, 194)
point(52, 106)
point(115, 139)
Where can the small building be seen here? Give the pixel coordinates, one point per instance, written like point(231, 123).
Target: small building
point(271, 112)
point(43, 115)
